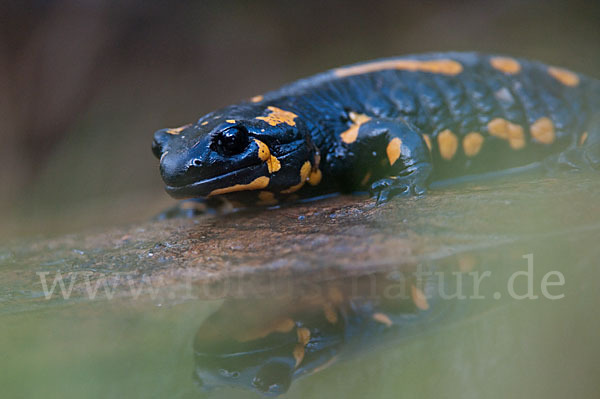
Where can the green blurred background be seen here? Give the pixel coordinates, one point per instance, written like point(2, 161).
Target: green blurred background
point(83, 84)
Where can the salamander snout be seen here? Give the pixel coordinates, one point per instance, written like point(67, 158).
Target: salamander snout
point(161, 138)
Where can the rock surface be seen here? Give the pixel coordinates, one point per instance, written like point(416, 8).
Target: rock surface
point(317, 240)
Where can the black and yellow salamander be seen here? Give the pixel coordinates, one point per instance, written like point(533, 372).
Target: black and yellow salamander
point(390, 126)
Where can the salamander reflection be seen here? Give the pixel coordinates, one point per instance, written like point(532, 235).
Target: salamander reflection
point(264, 344)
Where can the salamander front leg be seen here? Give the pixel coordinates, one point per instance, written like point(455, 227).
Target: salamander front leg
point(412, 182)
point(395, 157)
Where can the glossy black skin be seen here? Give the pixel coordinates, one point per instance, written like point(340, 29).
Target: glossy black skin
point(266, 364)
point(403, 104)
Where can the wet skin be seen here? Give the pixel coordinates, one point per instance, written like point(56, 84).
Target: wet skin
point(390, 127)
point(264, 344)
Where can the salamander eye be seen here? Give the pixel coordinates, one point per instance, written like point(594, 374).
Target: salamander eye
point(231, 141)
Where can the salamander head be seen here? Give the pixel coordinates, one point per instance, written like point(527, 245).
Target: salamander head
point(238, 148)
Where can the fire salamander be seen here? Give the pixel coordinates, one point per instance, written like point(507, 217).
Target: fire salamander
point(265, 344)
point(389, 126)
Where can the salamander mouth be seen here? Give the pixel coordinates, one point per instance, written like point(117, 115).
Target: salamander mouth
point(227, 181)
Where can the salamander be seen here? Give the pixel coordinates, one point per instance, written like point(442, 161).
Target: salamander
point(264, 344)
point(390, 126)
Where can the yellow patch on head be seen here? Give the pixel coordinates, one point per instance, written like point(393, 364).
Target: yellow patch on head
point(506, 130)
point(304, 173)
point(441, 66)
point(263, 150)
point(393, 150)
point(230, 120)
point(204, 123)
point(315, 177)
point(542, 131)
point(427, 140)
point(179, 129)
point(419, 298)
point(349, 136)
point(506, 65)
point(564, 76)
point(383, 319)
point(256, 184)
point(472, 143)
point(583, 138)
point(448, 144)
point(278, 116)
point(266, 198)
point(265, 155)
point(256, 99)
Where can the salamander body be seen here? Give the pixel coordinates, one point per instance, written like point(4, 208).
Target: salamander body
point(389, 126)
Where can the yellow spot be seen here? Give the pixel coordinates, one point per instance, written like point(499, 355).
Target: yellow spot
point(265, 155)
point(516, 136)
point(448, 144)
point(230, 120)
point(506, 65)
point(284, 325)
point(508, 131)
point(349, 136)
point(163, 156)
point(427, 140)
point(383, 319)
point(266, 198)
point(179, 129)
point(393, 150)
point(298, 354)
point(472, 144)
point(564, 76)
point(419, 298)
point(278, 116)
point(256, 99)
point(256, 184)
point(315, 177)
point(330, 313)
point(273, 164)
point(583, 138)
point(542, 131)
point(441, 66)
point(204, 123)
point(303, 338)
point(263, 150)
point(304, 172)
point(366, 179)
point(498, 127)
point(303, 335)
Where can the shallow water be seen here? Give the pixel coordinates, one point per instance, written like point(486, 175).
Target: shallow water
point(238, 294)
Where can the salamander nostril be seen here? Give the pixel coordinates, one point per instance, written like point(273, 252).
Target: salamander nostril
point(156, 149)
